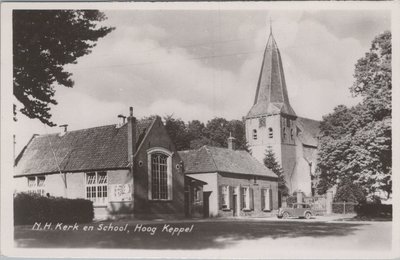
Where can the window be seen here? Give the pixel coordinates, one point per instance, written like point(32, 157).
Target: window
point(197, 194)
point(96, 187)
point(262, 121)
point(291, 134)
point(225, 197)
point(266, 199)
point(246, 198)
point(270, 133)
point(254, 134)
point(159, 174)
point(287, 122)
point(284, 133)
point(36, 185)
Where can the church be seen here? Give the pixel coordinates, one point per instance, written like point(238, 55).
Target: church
point(273, 124)
point(134, 169)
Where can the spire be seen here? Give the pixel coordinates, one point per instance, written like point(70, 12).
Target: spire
point(270, 26)
point(271, 95)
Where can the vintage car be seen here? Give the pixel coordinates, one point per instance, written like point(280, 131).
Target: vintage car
point(299, 210)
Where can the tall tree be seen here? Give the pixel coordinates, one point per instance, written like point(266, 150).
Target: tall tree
point(177, 131)
point(44, 41)
point(356, 142)
point(271, 163)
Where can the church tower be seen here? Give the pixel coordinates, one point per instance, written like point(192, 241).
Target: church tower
point(271, 122)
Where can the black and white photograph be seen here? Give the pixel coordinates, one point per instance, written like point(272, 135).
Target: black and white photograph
point(199, 130)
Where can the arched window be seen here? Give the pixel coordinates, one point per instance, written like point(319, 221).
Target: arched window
point(160, 174)
point(284, 133)
point(254, 134)
point(270, 133)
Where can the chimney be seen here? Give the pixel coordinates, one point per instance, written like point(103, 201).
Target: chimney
point(122, 121)
point(231, 142)
point(131, 136)
point(65, 129)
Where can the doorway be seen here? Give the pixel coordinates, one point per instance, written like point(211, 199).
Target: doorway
point(206, 203)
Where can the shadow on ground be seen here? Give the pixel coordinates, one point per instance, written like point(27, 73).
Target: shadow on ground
point(211, 234)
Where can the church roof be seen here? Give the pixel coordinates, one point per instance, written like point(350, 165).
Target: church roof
point(103, 147)
point(215, 159)
point(271, 95)
point(309, 131)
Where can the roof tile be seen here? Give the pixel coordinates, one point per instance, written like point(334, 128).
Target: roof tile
point(103, 147)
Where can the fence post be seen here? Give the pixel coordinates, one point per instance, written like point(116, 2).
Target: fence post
point(344, 207)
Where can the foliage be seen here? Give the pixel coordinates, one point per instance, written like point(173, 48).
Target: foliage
point(177, 131)
point(356, 142)
point(195, 134)
point(374, 210)
point(349, 192)
point(31, 208)
point(290, 200)
point(271, 163)
point(44, 42)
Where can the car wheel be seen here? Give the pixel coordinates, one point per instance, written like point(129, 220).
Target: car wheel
point(285, 215)
point(307, 215)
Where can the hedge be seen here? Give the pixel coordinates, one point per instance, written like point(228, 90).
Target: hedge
point(31, 208)
point(374, 210)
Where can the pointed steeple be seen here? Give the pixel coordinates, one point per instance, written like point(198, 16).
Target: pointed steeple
point(271, 95)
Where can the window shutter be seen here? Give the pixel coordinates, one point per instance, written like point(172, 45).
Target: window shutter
point(230, 197)
point(220, 196)
point(262, 199)
point(270, 199)
point(251, 198)
point(241, 197)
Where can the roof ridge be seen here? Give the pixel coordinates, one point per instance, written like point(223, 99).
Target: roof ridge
point(212, 157)
point(76, 130)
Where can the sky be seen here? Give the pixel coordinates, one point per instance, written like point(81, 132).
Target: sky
point(201, 64)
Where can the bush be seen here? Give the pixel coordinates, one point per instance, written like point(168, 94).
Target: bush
point(31, 208)
point(349, 192)
point(374, 210)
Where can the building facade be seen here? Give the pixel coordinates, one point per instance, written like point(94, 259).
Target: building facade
point(272, 124)
point(128, 169)
point(236, 184)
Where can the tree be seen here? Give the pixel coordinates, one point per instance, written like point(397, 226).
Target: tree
point(177, 131)
point(44, 41)
point(271, 163)
point(356, 142)
point(195, 134)
point(349, 192)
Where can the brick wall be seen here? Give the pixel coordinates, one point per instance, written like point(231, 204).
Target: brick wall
point(236, 180)
point(145, 208)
